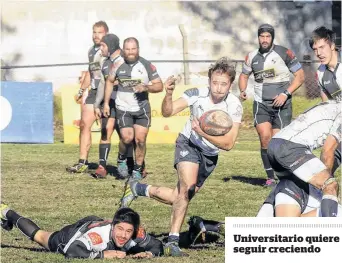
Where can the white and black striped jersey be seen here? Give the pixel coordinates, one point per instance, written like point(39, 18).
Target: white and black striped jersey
point(312, 127)
point(199, 102)
point(330, 81)
point(271, 72)
point(129, 76)
point(95, 65)
point(93, 238)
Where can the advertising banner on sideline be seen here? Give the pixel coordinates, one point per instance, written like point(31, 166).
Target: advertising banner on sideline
point(162, 130)
point(26, 114)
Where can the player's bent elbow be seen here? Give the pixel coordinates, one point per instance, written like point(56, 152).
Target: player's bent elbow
point(166, 114)
point(228, 146)
point(161, 87)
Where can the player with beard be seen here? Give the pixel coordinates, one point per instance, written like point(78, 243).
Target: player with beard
point(293, 193)
point(272, 109)
point(90, 237)
point(136, 78)
point(94, 79)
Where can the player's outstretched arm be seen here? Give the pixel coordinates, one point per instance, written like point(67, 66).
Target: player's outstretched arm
point(225, 142)
point(169, 107)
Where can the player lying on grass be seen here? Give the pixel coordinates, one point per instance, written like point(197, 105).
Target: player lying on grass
point(196, 152)
point(90, 237)
point(294, 197)
point(290, 151)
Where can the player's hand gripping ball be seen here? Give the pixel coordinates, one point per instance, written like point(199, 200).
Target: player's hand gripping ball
point(216, 122)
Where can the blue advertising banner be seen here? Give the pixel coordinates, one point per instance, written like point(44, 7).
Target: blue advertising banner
point(26, 112)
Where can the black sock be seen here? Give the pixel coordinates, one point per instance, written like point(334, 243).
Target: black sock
point(25, 225)
point(104, 150)
point(121, 157)
point(329, 206)
point(83, 161)
point(138, 167)
point(130, 162)
point(130, 150)
point(267, 165)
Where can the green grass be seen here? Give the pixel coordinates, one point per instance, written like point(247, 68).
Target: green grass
point(34, 183)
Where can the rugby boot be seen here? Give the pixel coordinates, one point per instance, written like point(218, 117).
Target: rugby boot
point(5, 224)
point(137, 175)
point(122, 168)
point(129, 193)
point(77, 168)
point(172, 249)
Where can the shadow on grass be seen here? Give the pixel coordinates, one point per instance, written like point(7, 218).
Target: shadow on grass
point(26, 248)
point(211, 240)
point(111, 170)
point(247, 180)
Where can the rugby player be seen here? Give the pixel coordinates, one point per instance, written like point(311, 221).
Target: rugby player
point(294, 198)
point(133, 111)
point(90, 237)
point(196, 152)
point(329, 74)
point(110, 49)
point(94, 79)
point(100, 60)
point(294, 195)
point(272, 109)
point(290, 151)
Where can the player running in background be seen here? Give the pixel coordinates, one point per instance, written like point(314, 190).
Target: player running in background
point(196, 152)
point(90, 237)
point(272, 109)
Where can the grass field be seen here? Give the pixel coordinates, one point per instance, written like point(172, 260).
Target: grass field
point(34, 183)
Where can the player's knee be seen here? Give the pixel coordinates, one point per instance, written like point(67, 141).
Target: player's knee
point(84, 126)
point(140, 141)
point(127, 138)
point(265, 140)
point(331, 188)
point(191, 192)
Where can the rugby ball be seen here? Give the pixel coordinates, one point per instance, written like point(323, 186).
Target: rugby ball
point(216, 122)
